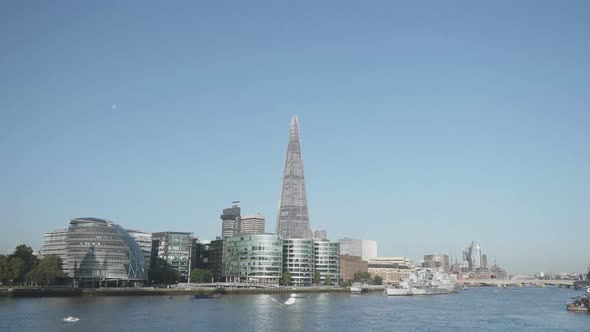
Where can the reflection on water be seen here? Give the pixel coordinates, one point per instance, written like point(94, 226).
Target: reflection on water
point(509, 309)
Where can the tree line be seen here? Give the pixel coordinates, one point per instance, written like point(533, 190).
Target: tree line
point(22, 267)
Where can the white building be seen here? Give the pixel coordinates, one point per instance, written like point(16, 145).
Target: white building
point(252, 224)
point(144, 240)
point(366, 249)
point(54, 243)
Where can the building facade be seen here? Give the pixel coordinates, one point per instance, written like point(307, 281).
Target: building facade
point(216, 258)
point(391, 269)
point(252, 225)
point(100, 252)
point(319, 234)
point(54, 243)
point(293, 217)
point(368, 249)
point(201, 254)
point(327, 260)
point(349, 265)
point(144, 240)
point(298, 261)
point(351, 247)
point(437, 262)
point(255, 258)
point(230, 220)
point(174, 248)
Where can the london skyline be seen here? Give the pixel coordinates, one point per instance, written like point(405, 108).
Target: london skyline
point(414, 142)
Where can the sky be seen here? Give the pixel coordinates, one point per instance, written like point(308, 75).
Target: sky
point(424, 125)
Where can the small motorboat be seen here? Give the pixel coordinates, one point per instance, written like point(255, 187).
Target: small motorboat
point(71, 319)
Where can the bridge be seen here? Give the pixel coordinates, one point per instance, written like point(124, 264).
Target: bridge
point(518, 282)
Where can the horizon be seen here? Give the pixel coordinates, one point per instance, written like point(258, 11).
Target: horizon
point(419, 134)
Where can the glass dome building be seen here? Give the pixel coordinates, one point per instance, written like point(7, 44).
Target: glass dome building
point(100, 251)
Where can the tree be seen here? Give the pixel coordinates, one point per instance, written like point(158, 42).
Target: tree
point(286, 279)
point(201, 275)
point(328, 280)
point(29, 261)
point(317, 278)
point(378, 280)
point(161, 272)
point(362, 276)
point(49, 269)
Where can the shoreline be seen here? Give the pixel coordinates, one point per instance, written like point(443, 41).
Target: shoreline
point(150, 291)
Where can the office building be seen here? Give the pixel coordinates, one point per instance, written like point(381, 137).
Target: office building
point(298, 260)
point(230, 220)
point(472, 257)
point(327, 260)
point(349, 265)
point(368, 249)
point(174, 248)
point(255, 258)
point(391, 269)
point(216, 258)
point(201, 254)
point(365, 249)
point(250, 225)
point(54, 243)
point(144, 240)
point(484, 262)
point(319, 234)
point(293, 218)
point(100, 252)
point(438, 262)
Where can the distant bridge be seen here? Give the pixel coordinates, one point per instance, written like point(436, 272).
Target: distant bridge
point(518, 282)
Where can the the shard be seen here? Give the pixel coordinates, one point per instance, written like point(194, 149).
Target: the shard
point(293, 218)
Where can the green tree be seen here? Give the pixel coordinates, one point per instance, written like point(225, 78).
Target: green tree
point(328, 280)
point(161, 272)
point(29, 261)
point(317, 278)
point(201, 275)
point(378, 280)
point(362, 276)
point(286, 279)
point(48, 270)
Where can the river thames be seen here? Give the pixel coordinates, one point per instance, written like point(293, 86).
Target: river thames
point(482, 309)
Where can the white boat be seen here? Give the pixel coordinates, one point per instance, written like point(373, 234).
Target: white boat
point(71, 319)
point(424, 282)
point(356, 289)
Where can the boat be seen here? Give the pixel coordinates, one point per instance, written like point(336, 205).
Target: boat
point(71, 319)
point(210, 296)
point(424, 282)
point(356, 288)
point(580, 304)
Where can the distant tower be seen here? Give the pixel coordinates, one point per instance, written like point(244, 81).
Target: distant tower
point(293, 218)
point(230, 220)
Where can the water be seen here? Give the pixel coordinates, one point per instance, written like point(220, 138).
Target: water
point(482, 309)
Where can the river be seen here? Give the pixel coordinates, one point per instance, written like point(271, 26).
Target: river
point(482, 309)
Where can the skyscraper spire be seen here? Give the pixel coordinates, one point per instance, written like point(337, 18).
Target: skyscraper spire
point(293, 218)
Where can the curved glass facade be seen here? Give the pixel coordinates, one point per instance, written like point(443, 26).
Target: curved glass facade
point(254, 258)
point(298, 259)
point(100, 249)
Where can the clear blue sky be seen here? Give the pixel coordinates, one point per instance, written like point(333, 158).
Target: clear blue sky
point(424, 126)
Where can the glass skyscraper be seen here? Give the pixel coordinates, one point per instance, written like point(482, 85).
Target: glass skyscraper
point(293, 218)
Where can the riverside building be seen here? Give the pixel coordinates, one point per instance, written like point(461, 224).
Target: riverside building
point(144, 240)
point(438, 262)
point(174, 248)
point(327, 260)
point(54, 243)
point(365, 249)
point(100, 252)
point(298, 260)
point(255, 258)
point(391, 269)
point(349, 265)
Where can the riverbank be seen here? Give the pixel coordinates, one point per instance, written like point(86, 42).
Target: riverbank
point(150, 291)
